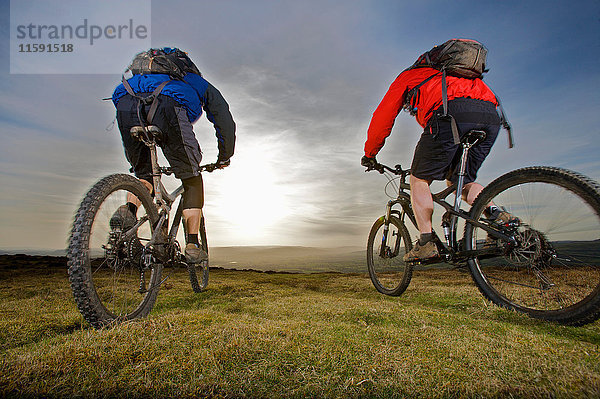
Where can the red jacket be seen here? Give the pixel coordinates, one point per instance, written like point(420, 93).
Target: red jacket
point(430, 99)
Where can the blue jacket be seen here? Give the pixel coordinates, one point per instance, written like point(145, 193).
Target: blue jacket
point(194, 93)
point(190, 93)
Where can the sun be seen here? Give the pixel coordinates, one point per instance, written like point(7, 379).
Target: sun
point(248, 200)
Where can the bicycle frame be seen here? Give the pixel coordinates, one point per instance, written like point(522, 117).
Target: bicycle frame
point(149, 135)
point(451, 247)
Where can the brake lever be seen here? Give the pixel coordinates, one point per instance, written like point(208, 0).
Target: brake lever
point(378, 167)
point(211, 167)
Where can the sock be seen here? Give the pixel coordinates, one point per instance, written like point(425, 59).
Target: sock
point(132, 207)
point(193, 239)
point(425, 238)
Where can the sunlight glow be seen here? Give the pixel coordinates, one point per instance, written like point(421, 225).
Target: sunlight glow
point(250, 199)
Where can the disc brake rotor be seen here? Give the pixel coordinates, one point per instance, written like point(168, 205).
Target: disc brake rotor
point(533, 249)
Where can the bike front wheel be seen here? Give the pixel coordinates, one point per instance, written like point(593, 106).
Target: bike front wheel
point(551, 270)
point(388, 271)
point(113, 277)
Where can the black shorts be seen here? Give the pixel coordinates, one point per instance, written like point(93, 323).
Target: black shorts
point(436, 156)
point(179, 144)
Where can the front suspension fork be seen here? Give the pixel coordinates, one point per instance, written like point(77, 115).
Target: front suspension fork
point(386, 229)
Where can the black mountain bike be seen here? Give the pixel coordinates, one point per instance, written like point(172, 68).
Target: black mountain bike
point(545, 262)
point(116, 273)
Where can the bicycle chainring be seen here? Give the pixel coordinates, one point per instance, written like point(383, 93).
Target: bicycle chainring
point(135, 251)
point(114, 251)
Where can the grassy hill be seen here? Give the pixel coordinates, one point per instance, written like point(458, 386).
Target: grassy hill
point(277, 335)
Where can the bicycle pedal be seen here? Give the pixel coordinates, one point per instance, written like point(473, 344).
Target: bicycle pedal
point(425, 262)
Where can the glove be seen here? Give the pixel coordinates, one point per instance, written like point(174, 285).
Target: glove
point(369, 163)
point(220, 164)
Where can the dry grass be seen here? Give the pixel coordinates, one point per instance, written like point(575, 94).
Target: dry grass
point(290, 335)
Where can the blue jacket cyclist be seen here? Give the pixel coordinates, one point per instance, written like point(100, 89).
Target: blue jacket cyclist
point(179, 103)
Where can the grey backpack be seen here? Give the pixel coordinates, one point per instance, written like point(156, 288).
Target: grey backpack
point(463, 58)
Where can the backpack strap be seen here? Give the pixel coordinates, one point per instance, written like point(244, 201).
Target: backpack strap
point(155, 101)
point(505, 124)
point(152, 99)
point(453, 124)
point(129, 89)
point(410, 100)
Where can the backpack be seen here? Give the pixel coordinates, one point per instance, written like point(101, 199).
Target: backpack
point(462, 58)
point(458, 57)
point(166, 60)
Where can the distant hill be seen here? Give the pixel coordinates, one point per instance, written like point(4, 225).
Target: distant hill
point(293, 259)
point(36, 252)
point(290, 258)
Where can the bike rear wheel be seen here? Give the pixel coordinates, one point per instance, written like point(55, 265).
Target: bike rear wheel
point(195, 270)
point(553, 273)
point(388, 271)
point(198, 272)
point(112, 277)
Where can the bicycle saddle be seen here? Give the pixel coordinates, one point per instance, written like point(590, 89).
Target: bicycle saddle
point(151, 131)
point(473, 136)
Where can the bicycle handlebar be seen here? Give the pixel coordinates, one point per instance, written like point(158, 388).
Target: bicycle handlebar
point(397, 170)
point(209, 167)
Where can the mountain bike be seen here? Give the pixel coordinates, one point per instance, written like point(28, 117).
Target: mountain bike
point(115, 272)
point(545, 262)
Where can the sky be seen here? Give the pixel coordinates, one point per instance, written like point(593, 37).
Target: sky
point(302, 79)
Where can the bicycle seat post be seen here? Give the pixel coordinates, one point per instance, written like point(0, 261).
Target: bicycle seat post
point(461, 175)
point(155, 171)
point(470, 139)
point(149, 135)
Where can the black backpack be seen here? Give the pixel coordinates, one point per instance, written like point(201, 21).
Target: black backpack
point(462, 58)
point(170, 61)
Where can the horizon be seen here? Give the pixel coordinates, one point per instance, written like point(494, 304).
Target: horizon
point(36, 251)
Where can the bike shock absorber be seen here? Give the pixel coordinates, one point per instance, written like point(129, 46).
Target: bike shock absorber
point(446, 227)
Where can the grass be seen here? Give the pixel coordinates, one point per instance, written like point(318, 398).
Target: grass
point(278, 335)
